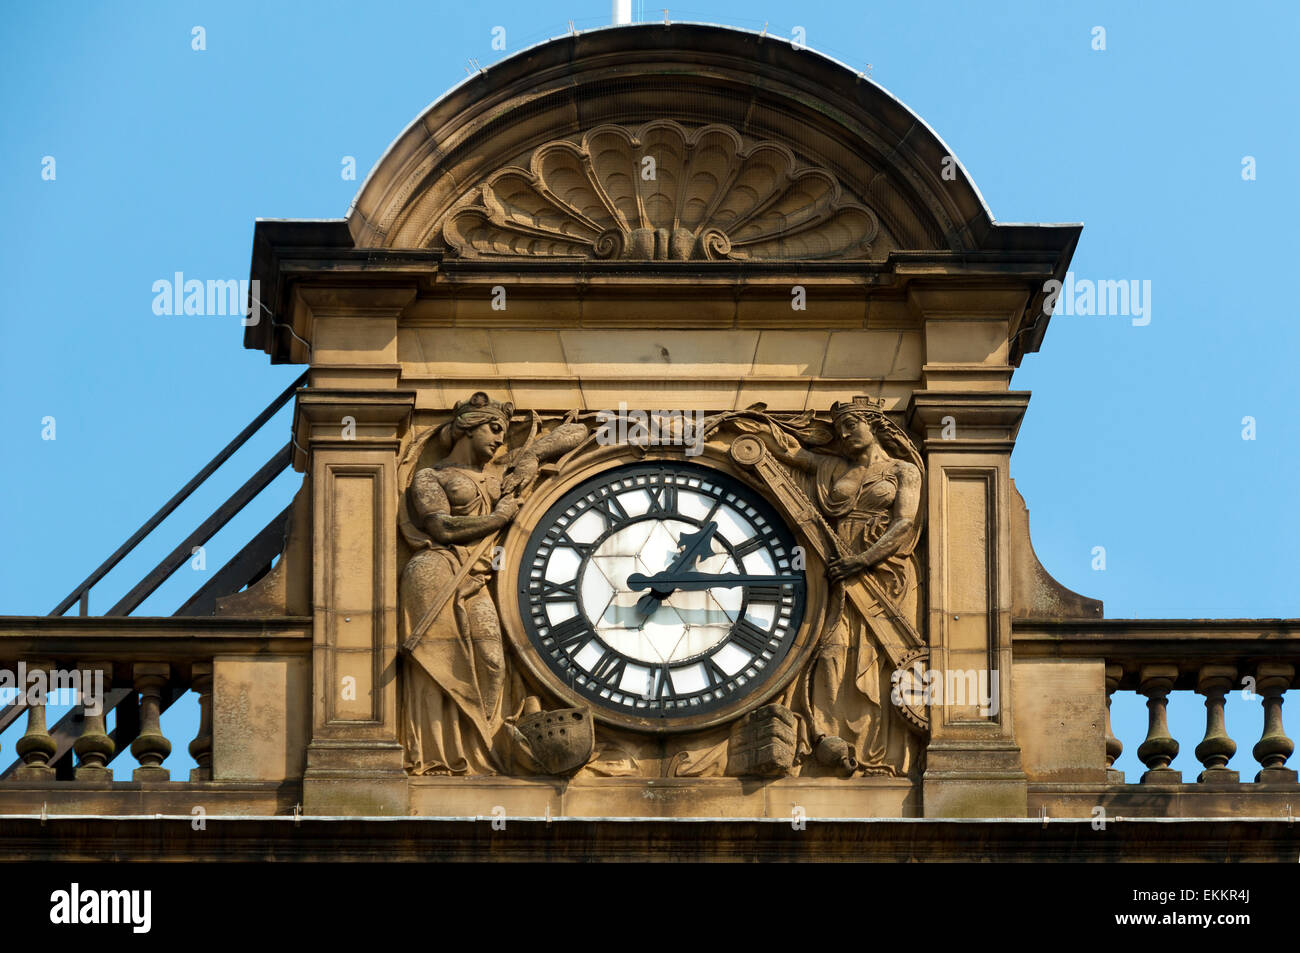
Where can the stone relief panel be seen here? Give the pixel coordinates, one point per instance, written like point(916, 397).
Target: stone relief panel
point(578, 604)
point(661, 192)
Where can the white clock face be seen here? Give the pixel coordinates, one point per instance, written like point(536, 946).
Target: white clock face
point(662, 590)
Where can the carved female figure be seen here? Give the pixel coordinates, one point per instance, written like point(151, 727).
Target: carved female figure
point(458, 691)
point(870, 493)
point(453, 698)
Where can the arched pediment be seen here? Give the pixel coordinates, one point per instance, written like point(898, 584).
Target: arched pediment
point(685, 142)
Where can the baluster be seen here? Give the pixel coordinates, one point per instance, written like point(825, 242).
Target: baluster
point(36, 747)
point(94, 749)
point(1114, 747)
point(201, 746)
point(1216, 748)
point(150, 748)
point(1159, 748)
point(1272, 750)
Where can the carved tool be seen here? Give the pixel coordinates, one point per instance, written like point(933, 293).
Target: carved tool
point(900, 639)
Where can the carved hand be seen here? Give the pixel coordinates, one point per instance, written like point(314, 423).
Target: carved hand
point(780, 443)
point(507, 507)
point(521, 475)
point(846, 566)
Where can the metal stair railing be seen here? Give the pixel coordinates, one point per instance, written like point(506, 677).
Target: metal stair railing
point(252, 562)
point(82, 592)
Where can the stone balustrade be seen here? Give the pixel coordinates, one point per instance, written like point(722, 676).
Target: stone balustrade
point(1216, 748)
point(136, 667)
point(145, 663)
point(1212, 658)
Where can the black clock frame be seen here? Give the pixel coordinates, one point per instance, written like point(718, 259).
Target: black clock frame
point(733, 492)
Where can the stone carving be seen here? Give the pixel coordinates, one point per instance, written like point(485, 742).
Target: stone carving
point(561, 740)
point(864, 478)
point(665, 193)
point(457, 698)
point(764, 743)
point(853, 488)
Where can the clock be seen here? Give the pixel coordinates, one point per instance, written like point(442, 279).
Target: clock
point(660, 592)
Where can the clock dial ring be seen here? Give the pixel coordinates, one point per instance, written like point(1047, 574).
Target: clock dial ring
point(777, 619)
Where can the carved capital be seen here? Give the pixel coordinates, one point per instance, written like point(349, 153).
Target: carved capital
point(962, 421)
point(349, 420)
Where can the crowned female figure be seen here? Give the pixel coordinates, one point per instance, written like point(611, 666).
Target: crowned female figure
point(868, 485)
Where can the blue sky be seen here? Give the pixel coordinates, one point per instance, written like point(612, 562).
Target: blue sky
point(165, 156)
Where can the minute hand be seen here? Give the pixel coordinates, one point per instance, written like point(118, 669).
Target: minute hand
point(697, 581)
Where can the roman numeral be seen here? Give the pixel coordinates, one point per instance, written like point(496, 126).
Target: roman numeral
point(570, 632)
point(750, 637)
point(559, 591)
point(608, 506)
point(751, 545)
point(713, 511)
point(663, 499)
point(661, 684)
point(583, 549)
point(767, 595)
point(609, 669)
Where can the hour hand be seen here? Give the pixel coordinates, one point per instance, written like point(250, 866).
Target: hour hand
point(694, 546)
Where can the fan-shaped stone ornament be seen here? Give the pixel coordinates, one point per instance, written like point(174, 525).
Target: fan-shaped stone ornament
point(661, 193)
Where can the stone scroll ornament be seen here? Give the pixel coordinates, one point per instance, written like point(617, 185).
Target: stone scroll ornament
point(855, 488)
point(465, 710)
point(661, 192)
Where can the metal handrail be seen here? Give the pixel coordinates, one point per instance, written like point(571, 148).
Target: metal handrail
point(83, 590)
point(255, 484)
point(206, 530)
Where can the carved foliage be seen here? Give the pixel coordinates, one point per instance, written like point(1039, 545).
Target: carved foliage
point(661, 193)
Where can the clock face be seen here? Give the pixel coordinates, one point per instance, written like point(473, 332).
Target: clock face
point(661, 590)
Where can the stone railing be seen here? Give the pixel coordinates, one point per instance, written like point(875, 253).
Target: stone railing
point(1154, 658)
point(137, 667)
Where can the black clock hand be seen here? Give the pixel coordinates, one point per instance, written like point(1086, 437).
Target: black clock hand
point(697, 581)
point(694, 547)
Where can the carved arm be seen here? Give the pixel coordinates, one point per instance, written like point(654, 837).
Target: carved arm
point(433, 509)
point(906, 504)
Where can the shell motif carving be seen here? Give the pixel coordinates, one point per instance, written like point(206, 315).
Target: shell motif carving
point(661, 193)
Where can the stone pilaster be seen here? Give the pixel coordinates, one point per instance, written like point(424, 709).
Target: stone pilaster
point(973, 763)
point(351, 439)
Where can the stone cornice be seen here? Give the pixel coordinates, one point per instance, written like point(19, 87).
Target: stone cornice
point(881, 291)
point(812, 123)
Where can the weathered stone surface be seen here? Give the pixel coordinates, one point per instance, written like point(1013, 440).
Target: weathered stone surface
point(763, 743)
point(261, 717)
